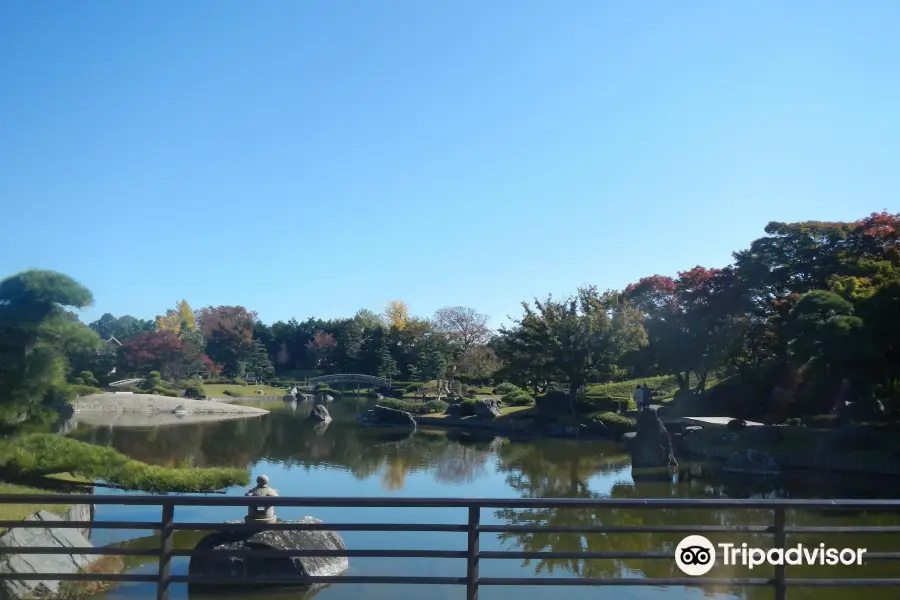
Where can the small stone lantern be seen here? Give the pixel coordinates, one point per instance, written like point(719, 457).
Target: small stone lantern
point(261, 514)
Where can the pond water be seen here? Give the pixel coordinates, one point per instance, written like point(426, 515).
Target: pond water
point(344, 459)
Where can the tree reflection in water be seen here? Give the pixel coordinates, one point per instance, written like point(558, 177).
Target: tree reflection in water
point(533, 469)
point(541, 471)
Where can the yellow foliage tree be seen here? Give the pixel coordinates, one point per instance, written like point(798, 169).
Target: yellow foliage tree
point(397, 314)
point(179, 319)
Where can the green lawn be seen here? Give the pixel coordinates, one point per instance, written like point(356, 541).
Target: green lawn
point(217, 390)
point(17, 512)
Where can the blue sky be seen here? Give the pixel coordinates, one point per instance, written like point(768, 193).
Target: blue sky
point(321, 156)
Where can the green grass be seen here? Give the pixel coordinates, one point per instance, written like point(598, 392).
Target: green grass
point(40, 454)
point(17, 512)
point(217, 390)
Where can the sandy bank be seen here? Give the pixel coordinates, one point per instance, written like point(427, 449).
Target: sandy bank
point(101, 418)
point(153, 404)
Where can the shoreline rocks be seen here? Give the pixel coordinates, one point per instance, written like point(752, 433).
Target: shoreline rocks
point(382, 416)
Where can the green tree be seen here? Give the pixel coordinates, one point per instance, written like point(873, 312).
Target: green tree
point(36, 333)
point(575, 339)
point(259, 363)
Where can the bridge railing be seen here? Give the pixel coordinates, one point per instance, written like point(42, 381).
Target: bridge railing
point(349, 378)
point(473, 528)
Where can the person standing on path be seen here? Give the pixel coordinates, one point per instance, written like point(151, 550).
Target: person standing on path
point(647, 395)
point(639, 397)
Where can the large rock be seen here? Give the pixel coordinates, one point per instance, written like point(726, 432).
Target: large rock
point(382, 416)
point(320, 413)
point(751, 462)
point(487, 408)
point(25, 563)
point(651, 445)
point(222, 563)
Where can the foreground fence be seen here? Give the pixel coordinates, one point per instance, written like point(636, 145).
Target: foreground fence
point(473, 527)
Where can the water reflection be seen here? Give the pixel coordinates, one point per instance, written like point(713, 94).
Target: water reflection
point(344, 458)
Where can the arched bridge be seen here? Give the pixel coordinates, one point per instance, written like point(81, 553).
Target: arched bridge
point(357, 378)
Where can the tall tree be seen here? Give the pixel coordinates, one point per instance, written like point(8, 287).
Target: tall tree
point(179, 320)
point(121, 328)
point(396, 313)
point(228, 332)
point(36, 332)
point(575, 339)
point(464, 326)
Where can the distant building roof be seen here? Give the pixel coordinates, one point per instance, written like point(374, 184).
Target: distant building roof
point(113, 340)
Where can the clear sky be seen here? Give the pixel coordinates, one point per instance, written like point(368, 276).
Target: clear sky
point(315, 157)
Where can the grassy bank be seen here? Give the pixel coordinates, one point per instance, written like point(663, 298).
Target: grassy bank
point(38, 454)
point(217, 390)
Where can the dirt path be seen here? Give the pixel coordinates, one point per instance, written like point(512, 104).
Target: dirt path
point(153, 404)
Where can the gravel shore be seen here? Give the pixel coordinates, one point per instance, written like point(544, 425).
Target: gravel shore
point(153, 404)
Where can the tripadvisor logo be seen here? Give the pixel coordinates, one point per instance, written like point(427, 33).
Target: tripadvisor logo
point(695, 555)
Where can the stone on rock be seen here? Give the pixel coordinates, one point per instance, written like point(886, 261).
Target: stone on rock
point(652, 445)
point(487, 408)
point(383, 416)
point(320, 413)
point(221, 562)
point(25, 563)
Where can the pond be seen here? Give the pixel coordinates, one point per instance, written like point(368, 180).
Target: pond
point(344, 459)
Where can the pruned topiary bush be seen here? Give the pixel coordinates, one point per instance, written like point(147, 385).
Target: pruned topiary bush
point(42, 454)
point(518, 398)
point(505, 388)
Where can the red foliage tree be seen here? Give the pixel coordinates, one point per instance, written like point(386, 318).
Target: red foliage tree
point(228, 331)
point(322, 346)
point(162, 351)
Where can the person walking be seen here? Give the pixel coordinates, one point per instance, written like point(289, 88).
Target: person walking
point(639, 397)
point(647, 395)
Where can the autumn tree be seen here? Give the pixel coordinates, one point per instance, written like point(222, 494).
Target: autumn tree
point(396, 313)
point(228, 333)
point(465, 327)
point(179, 320)
point(321, 347)
point(165, 352)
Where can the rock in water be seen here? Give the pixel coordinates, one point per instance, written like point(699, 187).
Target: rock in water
point(382, 416)
point(651, 445)
point(25, 563)
point(221, 563)
point(488, 408)
point(320, 413)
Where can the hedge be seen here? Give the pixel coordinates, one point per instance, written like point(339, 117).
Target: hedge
point(419, 408)
point(42, 454)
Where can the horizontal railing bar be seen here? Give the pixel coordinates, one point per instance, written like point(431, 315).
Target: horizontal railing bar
point(625, 529)
point(68, 550)
point(621, 581)
point(319, 527)
point(287, 580)
point(649, 503)
point(843, 582)
point(111, 577)
point(576, 555)
point(77, 524)
point(329, 553)
point(838, 530)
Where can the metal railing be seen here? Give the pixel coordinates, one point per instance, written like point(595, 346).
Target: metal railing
point(472, 554)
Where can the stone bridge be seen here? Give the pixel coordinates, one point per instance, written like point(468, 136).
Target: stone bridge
point(352, 378)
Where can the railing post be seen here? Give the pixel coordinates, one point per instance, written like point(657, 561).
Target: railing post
point(166, 531)
point(780, 542)
point(472, 554)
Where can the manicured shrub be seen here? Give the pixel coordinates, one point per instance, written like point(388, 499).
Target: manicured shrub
point(413, 387)
point(736, 425)
point(230, 393)
point(78, 381)
point(398, 392)
point(164, 391)
point(518, 398)
point(471, 393)
point(152, 381)
point(795, 423)
point(89, 378)
point(420, 408)
point(44, 454)
point(616, 424)
point(83, 390)
point(194, 391)
point(505, 388)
